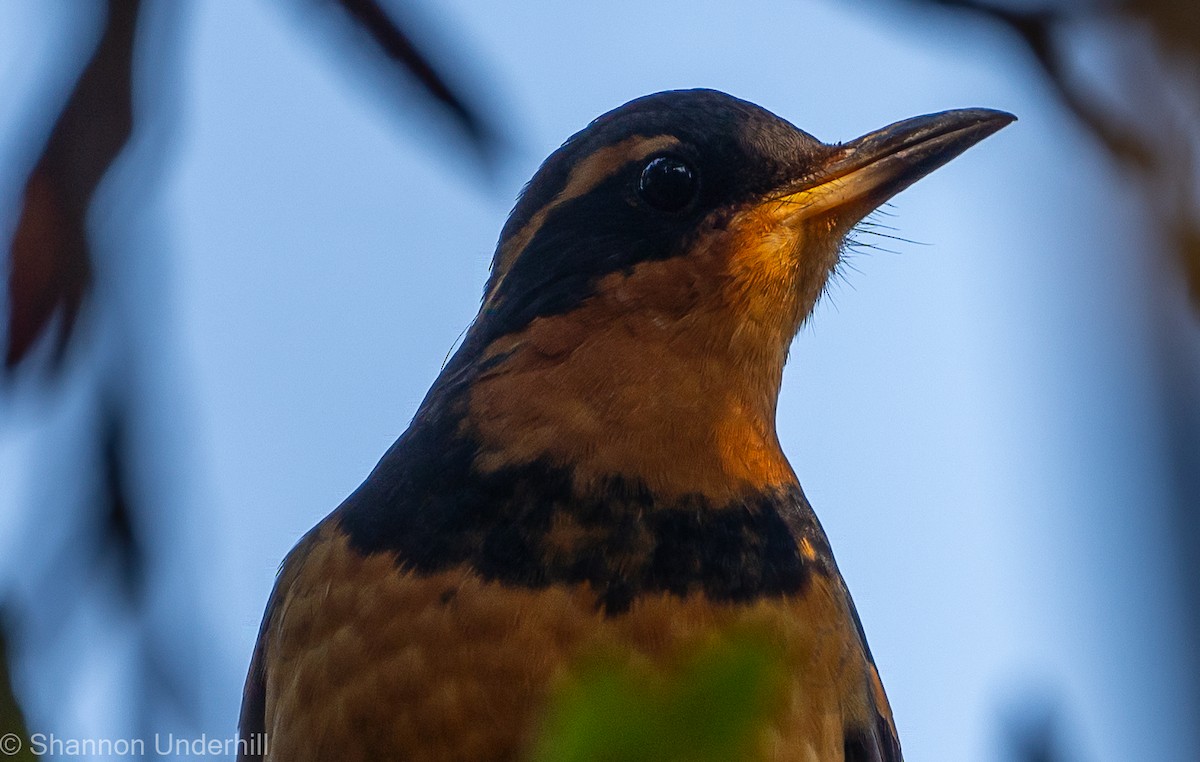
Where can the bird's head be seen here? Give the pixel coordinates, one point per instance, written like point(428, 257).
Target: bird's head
point(647, 285)
point(714, 189)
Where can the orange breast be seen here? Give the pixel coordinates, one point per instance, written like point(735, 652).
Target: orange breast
point(369, 662)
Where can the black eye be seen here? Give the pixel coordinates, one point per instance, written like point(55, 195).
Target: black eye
point(668, 184)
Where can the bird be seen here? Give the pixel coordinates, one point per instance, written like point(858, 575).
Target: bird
point(597, 466)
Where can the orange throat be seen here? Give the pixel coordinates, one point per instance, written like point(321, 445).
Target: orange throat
point(652, 379)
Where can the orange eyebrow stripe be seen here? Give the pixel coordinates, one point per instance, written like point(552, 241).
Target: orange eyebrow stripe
point(585, 176)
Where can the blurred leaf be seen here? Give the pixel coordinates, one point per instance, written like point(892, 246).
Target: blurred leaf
point(50, 266)
point(1138, 93)
point(1039, 29)
point(398, 44)
point(1187, 242)
point(50, 269)
point(1034, 732)
point(119, 536)
point(1176, 23)
point(1152, 126)
point(712, 707)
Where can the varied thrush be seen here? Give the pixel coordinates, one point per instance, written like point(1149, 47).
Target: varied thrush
point(597, 467)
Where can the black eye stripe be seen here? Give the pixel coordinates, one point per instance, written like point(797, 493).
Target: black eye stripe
point(559, 267)
point(571, 248)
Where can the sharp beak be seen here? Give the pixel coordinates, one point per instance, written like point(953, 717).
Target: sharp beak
point(862, 174)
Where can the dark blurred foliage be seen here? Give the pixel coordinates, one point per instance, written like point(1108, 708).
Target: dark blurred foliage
point(1034, 732)
point(1145, 112)
point(50, 267)
point(50, 273)
point(397, 44)
point(1138, 95)
point(1144, 107)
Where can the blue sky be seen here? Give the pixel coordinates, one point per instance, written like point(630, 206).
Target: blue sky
point(971, 416)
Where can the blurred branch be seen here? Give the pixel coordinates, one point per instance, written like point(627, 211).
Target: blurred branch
point(1159, 142)
point(1038, 30)
point(49, 277)
point(1151, 129)
point(50, 267)
point(395, 41)
point(119, 536)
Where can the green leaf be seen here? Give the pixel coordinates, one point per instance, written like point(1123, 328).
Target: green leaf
point(713, 706)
